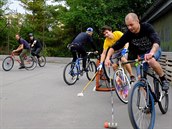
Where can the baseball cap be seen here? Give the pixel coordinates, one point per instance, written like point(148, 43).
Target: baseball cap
point(30, 34)
point(90, 29)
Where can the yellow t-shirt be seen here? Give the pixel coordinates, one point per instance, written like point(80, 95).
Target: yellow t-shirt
point(109, 42)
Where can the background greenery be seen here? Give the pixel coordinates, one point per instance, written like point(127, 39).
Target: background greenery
point(57, 25)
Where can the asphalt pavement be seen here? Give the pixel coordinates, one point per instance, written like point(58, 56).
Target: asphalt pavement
point(40, 99)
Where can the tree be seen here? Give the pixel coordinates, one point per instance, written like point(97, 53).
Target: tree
point(57, 25)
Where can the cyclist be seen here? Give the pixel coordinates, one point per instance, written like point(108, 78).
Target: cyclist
point(110, 39)
point(78, 45)
point(36, 46)
point(143, 42)
point(22, 49)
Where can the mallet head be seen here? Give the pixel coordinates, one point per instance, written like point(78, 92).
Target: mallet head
point(80, 94)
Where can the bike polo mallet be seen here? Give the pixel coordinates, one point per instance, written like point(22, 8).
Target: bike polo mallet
point(82, 92)
point(111, 124)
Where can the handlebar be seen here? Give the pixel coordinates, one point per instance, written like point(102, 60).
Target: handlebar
point(135, 61)
point(89, 53)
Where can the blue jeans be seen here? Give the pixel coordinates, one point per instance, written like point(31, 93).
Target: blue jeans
point(157, 55)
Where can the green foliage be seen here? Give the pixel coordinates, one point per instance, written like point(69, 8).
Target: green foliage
point(57, 25)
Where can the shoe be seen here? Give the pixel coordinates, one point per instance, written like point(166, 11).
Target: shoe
point(21, 67)
point(132, 79)
point(165, 85)
point(85, 69)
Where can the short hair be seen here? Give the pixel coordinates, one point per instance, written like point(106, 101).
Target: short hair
point(105, 27)
point(131, 15)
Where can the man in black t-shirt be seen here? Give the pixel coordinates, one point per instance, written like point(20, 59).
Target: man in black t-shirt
point(78, 45)
point(36, 45)
point(143, 42)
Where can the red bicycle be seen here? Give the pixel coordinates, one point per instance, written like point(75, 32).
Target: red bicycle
point(29, 62)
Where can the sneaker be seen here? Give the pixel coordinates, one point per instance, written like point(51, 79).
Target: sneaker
point(21, 67)
point(165, 85)
point(132, 79)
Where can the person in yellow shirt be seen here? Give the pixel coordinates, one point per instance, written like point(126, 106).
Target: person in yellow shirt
point(110, 39)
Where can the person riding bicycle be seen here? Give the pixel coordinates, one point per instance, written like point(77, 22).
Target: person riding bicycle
point(143, 42)
point(78, 45)
point(36, 45)
point(110, 39)
point(22, 49)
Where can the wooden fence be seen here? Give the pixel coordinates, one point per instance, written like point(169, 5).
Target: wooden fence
point(166, 63)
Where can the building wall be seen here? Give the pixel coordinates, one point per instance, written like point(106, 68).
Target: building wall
point(163, 27)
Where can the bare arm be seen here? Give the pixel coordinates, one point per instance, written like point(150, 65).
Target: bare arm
point(107, 61)
point(20, 47)
point(103, 56)
point(155, 47)
point(126, 45)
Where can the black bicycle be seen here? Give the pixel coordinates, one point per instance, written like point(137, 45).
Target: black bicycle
point(73, 71)
point(143, 97)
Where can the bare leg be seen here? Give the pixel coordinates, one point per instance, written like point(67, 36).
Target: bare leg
point(156, 67)
point(127, 66)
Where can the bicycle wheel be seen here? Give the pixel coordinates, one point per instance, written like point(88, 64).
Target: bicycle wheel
point(70, 73)
point(42, 61)
point(30, 63)
point(141, 108)
point(92, 69)
point(105, 69)
point(8, 63)
point(122, 85)
point(162, 96)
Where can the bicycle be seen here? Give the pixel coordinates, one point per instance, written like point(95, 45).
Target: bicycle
point(72, 70)
point(41, 61)
point(29, 62)
point(120, 79)
point(142, 99)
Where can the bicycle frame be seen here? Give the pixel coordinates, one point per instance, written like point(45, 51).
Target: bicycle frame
point(148, 86)
point(77, 63)
point(144, 98)
point(15, 58)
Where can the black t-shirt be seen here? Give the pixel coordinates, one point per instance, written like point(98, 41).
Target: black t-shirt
point(36, 43)
point(82, 38)
point(24, 42)
point(141, 42)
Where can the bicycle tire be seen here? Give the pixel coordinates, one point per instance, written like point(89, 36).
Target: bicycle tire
point(105, 69)
point(70, 73)
point(42, 61)
point(122, 85)
point(92, 69)
point(8, 63)
point(141, 117)
point(162, 96)
point(30, 63)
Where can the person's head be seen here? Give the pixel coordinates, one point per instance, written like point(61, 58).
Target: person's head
point(31, 36)
point(132, 22)
point(17, 36)
point(107, 31)
point(89, 31)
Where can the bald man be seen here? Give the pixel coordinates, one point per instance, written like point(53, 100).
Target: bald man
point(143, 42)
